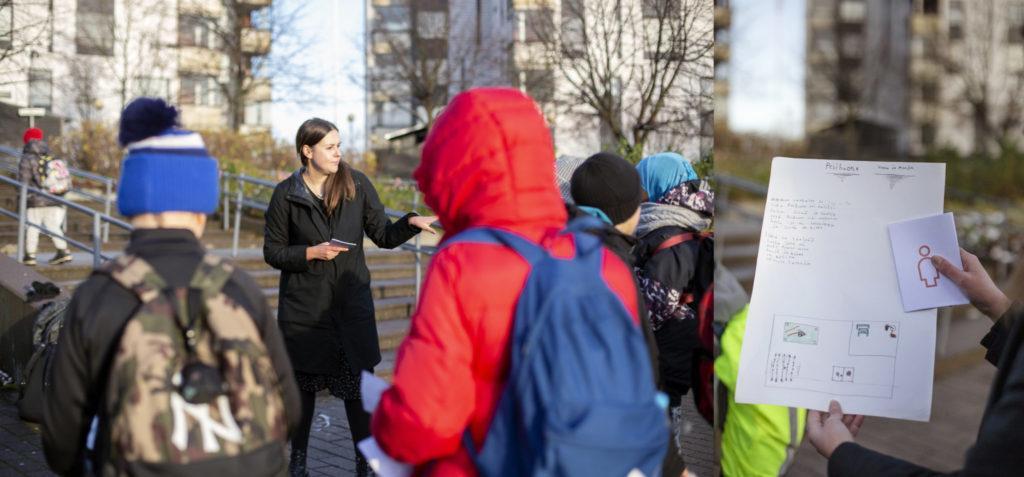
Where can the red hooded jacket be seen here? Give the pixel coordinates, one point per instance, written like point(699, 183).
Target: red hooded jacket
point(488, 161)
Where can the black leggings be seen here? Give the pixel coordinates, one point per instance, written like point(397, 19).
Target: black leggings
point(358, 421)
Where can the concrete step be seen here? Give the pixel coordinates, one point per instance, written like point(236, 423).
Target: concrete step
point(736, 256)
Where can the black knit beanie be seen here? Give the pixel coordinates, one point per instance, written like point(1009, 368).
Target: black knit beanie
point(608, 182)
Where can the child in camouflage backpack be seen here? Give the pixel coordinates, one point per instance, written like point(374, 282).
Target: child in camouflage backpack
point(170, 361)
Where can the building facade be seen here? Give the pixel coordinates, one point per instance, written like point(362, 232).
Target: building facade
point(909, 77)
point(83, 60)
point(510, 43)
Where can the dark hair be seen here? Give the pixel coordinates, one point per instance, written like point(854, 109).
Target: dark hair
point(339, 186)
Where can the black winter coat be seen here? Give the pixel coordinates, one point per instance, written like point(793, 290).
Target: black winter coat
point(326, 307)
point(997, 451)
point(677, 339)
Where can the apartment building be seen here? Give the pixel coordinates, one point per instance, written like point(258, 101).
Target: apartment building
point(85, 59)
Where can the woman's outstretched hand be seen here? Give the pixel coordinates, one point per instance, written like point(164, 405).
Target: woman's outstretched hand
point(423, 223)
point(974, 281)
point(324, 251)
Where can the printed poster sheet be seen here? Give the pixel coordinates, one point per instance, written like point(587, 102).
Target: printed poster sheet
point(826, 320)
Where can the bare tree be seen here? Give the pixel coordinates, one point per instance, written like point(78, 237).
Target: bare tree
point(24, 27)
point(642, 67)
point(848, 73)
point(988, 87)
point(245, 37)
point(413, 73)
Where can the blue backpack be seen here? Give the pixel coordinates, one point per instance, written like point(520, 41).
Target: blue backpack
point(580, 397)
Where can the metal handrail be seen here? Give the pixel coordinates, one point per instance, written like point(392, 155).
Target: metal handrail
point(108, 185)
point(242, 201)
point(726, 182)
point(98, 220)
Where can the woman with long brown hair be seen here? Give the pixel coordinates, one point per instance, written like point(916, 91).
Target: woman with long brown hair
point(325, 306)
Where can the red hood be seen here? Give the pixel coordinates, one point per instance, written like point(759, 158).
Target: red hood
point(489, 161)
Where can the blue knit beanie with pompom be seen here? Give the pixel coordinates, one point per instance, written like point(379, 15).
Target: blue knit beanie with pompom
point(166, 168)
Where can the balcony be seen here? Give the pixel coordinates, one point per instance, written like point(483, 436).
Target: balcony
point(253, 4)
point(723, 17)
point(197, 60)
point(255, 41)
point(201, 8)
point(721, 53)
point(259, 90)
point(202, 117)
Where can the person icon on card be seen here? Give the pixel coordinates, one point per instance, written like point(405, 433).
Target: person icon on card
point(925, 270)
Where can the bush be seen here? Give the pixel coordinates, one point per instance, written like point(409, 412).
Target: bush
point(92, 147)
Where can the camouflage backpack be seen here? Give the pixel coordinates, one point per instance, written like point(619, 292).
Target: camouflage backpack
point(191, 379)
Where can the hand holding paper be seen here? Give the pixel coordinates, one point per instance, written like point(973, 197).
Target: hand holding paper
point(974, 281)
point(914, 243)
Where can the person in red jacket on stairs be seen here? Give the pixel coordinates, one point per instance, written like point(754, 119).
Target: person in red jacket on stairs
point(488, 161)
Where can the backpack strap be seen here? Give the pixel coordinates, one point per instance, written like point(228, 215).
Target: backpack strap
point(136, 275)
point(530, 251)
point(211, 275)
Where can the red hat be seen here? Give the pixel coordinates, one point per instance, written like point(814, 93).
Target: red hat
point(32, 134)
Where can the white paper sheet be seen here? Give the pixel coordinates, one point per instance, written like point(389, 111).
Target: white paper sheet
point(370, 388)
point(382, 463)
point(914, 242)
point(825, 319)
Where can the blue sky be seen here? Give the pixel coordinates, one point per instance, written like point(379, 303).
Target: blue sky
point(336, 26)
point(766, 67)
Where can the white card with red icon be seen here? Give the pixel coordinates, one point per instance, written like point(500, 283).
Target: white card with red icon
point(914, 242)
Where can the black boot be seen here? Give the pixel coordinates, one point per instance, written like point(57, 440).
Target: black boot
point(62, 257)
point(297, 464)
point(362, 467)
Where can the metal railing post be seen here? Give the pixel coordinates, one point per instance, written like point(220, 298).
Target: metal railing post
point(226, 210)
point(22, 209)
point(109, 188)
point(418, 253)
point(97, 240)
point(238, 218)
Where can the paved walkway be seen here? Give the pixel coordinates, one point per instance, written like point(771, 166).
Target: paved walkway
point(330, 444)
point(958, 402)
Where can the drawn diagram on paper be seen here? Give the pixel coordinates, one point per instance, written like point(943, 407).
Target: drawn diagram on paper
point(826, 320)
point(867, 368)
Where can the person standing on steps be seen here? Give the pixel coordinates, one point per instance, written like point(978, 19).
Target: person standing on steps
point(32, 168)
point(325, 308)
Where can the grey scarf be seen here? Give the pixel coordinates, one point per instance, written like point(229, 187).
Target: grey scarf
point(654, 216)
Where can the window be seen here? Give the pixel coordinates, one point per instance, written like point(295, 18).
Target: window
point(927, 135)
point(6, 25)
point(257, 114)
point(956, 20)
point(391, 115)
point(1015, 19)
point(853, 46)
point(392, 17)
point(432, 25)
point(152, 87)
point(931, 7)
point(573, 28)
point(94, 27)
point(539, 84)
point(200, 91)
point(40, 88)
point(537, 24)
point(929, 92)
point(197, 31)
point(661, 8)
point(852, 11)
